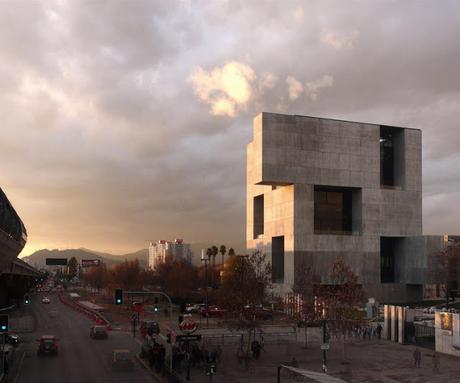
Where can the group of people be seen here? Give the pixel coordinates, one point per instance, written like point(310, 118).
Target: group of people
point(367, 332)
point(436, 360)
point(156, 355)
point(197, 356)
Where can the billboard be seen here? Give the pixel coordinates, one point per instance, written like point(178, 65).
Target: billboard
point(90, 262)
point(56, 261)
point(446, 321)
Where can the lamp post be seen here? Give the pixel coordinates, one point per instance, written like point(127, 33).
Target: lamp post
point(206, 261)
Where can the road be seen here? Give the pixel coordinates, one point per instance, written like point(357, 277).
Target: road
point(80, 359)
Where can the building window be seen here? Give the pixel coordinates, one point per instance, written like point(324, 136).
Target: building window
point(337, 210)
point(391, 157)
point(258, 216)
point(278, 259)
point(387, 259)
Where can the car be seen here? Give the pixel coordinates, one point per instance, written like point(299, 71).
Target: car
point(122, 360)
point(99, 332)
point(12, 339)
point(46, 300)
point(213, 311)
point(47, 345)
point(257, 312)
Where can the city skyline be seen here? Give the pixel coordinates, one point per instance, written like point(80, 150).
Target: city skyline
point(126, 123)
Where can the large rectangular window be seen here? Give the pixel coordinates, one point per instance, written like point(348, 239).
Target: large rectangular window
point(337, 210)
point(278, 259)
point(388, 259)
point(391, 157)
point(258, 216)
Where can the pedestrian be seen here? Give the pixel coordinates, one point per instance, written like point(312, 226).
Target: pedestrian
point(417, 357)
point(379, 331)
point(436, 362)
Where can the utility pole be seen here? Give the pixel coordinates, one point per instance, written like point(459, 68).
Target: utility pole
point(206, 261)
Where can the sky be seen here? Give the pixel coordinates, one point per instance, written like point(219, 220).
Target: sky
point(126, 121)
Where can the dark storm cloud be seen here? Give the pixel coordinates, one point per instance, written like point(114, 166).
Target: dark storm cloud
point(128, 120)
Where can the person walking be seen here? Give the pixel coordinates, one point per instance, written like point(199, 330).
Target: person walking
point(417, 357)
point(379, 331)
point(436, 362)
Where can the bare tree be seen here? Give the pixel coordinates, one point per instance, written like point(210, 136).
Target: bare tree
point(305, 287)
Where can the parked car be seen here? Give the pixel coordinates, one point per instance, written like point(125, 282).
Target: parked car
point(122, 360)
point(47, 345)
point(46, 300)
point(191, 308)
point(213, 311)
point(259, 313)
point(99, 332)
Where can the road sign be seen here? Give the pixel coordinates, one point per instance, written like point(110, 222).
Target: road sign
point(90, 262)
point(325, 346)
point(188, 338)
point(188, 326)
point(56, 261)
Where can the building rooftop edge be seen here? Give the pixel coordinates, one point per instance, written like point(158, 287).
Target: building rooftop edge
point(339, 119)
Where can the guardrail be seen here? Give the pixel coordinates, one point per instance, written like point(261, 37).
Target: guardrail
point(6, 309)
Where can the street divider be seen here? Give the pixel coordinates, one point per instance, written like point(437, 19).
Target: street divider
point(91, 314)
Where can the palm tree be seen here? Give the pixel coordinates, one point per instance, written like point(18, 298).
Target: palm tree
point(231, 252)
point(214, 252)
point(223, 250)
point(209, 253)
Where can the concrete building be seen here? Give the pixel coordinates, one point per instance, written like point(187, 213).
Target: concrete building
point(319, 189)
point(165, 250)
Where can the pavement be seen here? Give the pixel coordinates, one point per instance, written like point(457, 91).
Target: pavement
point(80, 359)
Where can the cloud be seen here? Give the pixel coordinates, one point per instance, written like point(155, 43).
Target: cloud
point(226, 89)
point(295, 88)
point(268, 80)
point(336, 41)
point(312, 88)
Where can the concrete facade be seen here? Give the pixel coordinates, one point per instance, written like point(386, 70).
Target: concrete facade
point(290, 155)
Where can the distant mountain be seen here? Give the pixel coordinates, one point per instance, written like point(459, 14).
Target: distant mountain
point(38, 258)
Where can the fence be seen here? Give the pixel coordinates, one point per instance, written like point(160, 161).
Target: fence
point(265, 338)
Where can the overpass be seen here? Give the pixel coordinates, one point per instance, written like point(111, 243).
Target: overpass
point(16, 276)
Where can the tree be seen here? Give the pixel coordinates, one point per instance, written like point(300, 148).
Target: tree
point(214, 252)
point(97, 276)
point(341, 300)
point(222, 251)
point(231, 252)
point(306, 287)
point(178, 279)
point(127, 275)
point(445, 269)
point(246, 281)
point(73, 266)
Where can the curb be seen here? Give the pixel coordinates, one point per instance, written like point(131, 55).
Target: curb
point(159, 378)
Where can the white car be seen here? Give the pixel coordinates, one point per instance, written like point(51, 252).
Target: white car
point(46, 300)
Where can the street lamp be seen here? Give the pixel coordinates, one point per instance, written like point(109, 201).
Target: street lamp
point(206, 261)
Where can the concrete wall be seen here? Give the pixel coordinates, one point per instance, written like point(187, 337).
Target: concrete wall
point(445, 339)
point(289, 155)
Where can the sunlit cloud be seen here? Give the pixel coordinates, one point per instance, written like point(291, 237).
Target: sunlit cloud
point(226, 89)
point(268, 80)
point(337, 41)
point(312, 88)
point(295, 88)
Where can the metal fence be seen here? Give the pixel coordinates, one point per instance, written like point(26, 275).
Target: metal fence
point(265, 338)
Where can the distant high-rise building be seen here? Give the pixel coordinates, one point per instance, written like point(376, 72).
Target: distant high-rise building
point(164, 250)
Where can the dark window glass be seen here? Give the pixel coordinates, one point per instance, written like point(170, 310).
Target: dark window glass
point(278, 259)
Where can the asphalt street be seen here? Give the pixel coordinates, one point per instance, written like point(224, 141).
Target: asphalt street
point(80, 358)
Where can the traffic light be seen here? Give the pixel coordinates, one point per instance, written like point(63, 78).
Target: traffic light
point(156, 309)
point(3, 323)
point(118, 296)
point(26, 299)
